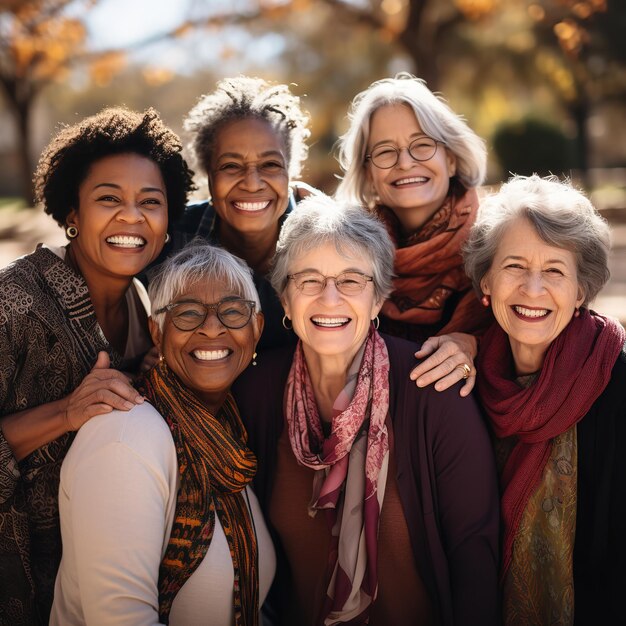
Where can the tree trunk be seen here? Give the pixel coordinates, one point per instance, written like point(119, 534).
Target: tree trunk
point(22, 114)
point(580, 112)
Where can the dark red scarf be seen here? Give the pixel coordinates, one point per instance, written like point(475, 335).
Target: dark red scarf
point(576, 370)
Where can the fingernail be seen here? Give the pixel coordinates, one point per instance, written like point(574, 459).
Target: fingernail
point(128, 405)
point(139, 399)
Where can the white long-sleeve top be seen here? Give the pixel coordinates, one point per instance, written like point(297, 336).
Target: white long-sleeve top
point(117, 500)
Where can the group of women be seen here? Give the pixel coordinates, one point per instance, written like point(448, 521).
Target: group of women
point(284, 432)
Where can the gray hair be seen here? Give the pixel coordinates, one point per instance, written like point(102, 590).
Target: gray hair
point(562, 216)
point(197, 262)
point(435, 118)
point(242, 98)
point(319, 220)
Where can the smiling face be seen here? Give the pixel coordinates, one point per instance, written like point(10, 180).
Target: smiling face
point(534, 292)
point(248, 176)
point(208, 359)
point(121, 216)
point(330, 323)
point(413, 190)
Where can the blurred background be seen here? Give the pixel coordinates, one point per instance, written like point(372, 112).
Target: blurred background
point(544, 82)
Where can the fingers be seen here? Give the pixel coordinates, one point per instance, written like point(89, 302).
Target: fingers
point(428, 347)
point(150, 359)
point(103, 361)
point(445, 368)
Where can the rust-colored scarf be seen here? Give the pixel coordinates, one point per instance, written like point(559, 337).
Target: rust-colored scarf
point(576, 370)
point(215, 466)
point(429, 269)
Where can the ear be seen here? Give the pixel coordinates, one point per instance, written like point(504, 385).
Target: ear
point(581, 297)
point(484, 284)
point(72, 218)
point(451, 162)
point(155, 333)
point(258, 323)
point(286, 306)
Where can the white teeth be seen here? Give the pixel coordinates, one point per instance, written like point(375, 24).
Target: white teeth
point(126, 241)
point(330, 322)
point(210, 355)
point(252, 206)
point(531, 312)
point(415, 179)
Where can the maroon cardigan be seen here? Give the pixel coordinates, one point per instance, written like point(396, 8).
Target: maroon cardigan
point(445, 471)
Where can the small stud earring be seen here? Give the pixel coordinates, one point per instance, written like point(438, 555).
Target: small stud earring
point(254, 359)
point(485, 300)
point(577, 312)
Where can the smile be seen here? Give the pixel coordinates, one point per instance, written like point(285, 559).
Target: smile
point(210, 355)
point(330, 322)
point(251, 206)
point(126, 241)
point(534, 313)
point(410, 181)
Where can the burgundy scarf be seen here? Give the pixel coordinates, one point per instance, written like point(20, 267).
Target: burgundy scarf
point(576, 370)
point(429, 269)
point(351, 470)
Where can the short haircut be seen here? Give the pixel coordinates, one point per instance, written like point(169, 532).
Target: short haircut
point(199, 262)
point(319, 220)
point(562, 216)
point(435, 118)
point(66, 161)
point(243, 98)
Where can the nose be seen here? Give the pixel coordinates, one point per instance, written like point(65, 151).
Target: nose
point(330, 293)
point(252, 180)
point(211, 327)
point(533, 283)
point(405, 160)
point(131, 213)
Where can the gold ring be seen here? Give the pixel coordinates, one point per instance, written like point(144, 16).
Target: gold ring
point(466, 369)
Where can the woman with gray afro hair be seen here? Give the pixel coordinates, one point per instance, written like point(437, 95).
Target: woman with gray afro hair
point(249, 136)
point(416, 164)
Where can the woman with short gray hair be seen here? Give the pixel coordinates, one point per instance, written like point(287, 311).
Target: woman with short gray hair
point(551, 377)
point(416, 164)
point(382, 495)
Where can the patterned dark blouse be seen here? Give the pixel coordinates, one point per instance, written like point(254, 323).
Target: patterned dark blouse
point(49, 341)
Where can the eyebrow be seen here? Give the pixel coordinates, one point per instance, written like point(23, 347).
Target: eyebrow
point(512, 257)
point(310, 270)
point(237, 155)
point(389, 142)
point(142, 190)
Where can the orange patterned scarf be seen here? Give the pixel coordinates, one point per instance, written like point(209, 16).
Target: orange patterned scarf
point(215, 466)
point(429, 269)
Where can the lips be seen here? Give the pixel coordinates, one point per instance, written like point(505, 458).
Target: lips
point(411, 180)
point(530, 313)
point(126, 241)
point(211, 355)
point(330, 322)
point(252, 207)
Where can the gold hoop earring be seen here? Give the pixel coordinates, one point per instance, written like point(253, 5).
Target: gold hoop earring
point(71, 232)
point(254, 359)
point(376, 322)
point(285, 320)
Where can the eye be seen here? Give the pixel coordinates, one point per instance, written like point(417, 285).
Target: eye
point(555, 271)
point(231, 167)
point(188, 313)
point(108, 198)
point(152, 202)
point(513, 266)
point(384, 151)
point(272, 166)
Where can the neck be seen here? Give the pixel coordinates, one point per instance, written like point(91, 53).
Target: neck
point(328, 377)
point(256, 248)
point(527, 359)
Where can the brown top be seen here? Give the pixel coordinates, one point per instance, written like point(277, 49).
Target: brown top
point(402, 598)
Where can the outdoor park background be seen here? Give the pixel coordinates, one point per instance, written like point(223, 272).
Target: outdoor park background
point(544, 81)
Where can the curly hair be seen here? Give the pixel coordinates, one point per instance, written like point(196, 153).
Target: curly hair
point(242, 98)
point(65, 162)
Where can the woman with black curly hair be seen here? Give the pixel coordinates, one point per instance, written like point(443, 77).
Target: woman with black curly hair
point(70, 318)
point(249, 136)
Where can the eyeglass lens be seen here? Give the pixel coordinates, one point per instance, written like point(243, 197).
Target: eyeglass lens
point(231, 313)
point(348, 283)
point(420, 149)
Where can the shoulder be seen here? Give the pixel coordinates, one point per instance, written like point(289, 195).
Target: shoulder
point(193, 213)
point(141, 431)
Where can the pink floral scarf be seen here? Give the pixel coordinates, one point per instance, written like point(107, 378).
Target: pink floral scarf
point(351, 473)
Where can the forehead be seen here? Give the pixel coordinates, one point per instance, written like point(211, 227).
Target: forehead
point(207, 291)
point(125, 168)
point(327, 260)
point(394, 120)
point(249, 136)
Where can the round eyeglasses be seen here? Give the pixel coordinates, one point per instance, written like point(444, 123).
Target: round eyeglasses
point(347, 283)
point(387, 156)
point(231, 312)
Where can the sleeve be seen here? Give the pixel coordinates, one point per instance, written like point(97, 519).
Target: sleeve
point(120, 508)
point(468, 506)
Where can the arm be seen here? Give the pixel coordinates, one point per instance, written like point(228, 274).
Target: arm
point(120, 503)
point(101, 391)
point(468, 506)
point(446, 354)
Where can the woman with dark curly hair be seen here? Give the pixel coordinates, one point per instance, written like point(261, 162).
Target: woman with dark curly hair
point(70, 318)
point(249, 136)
